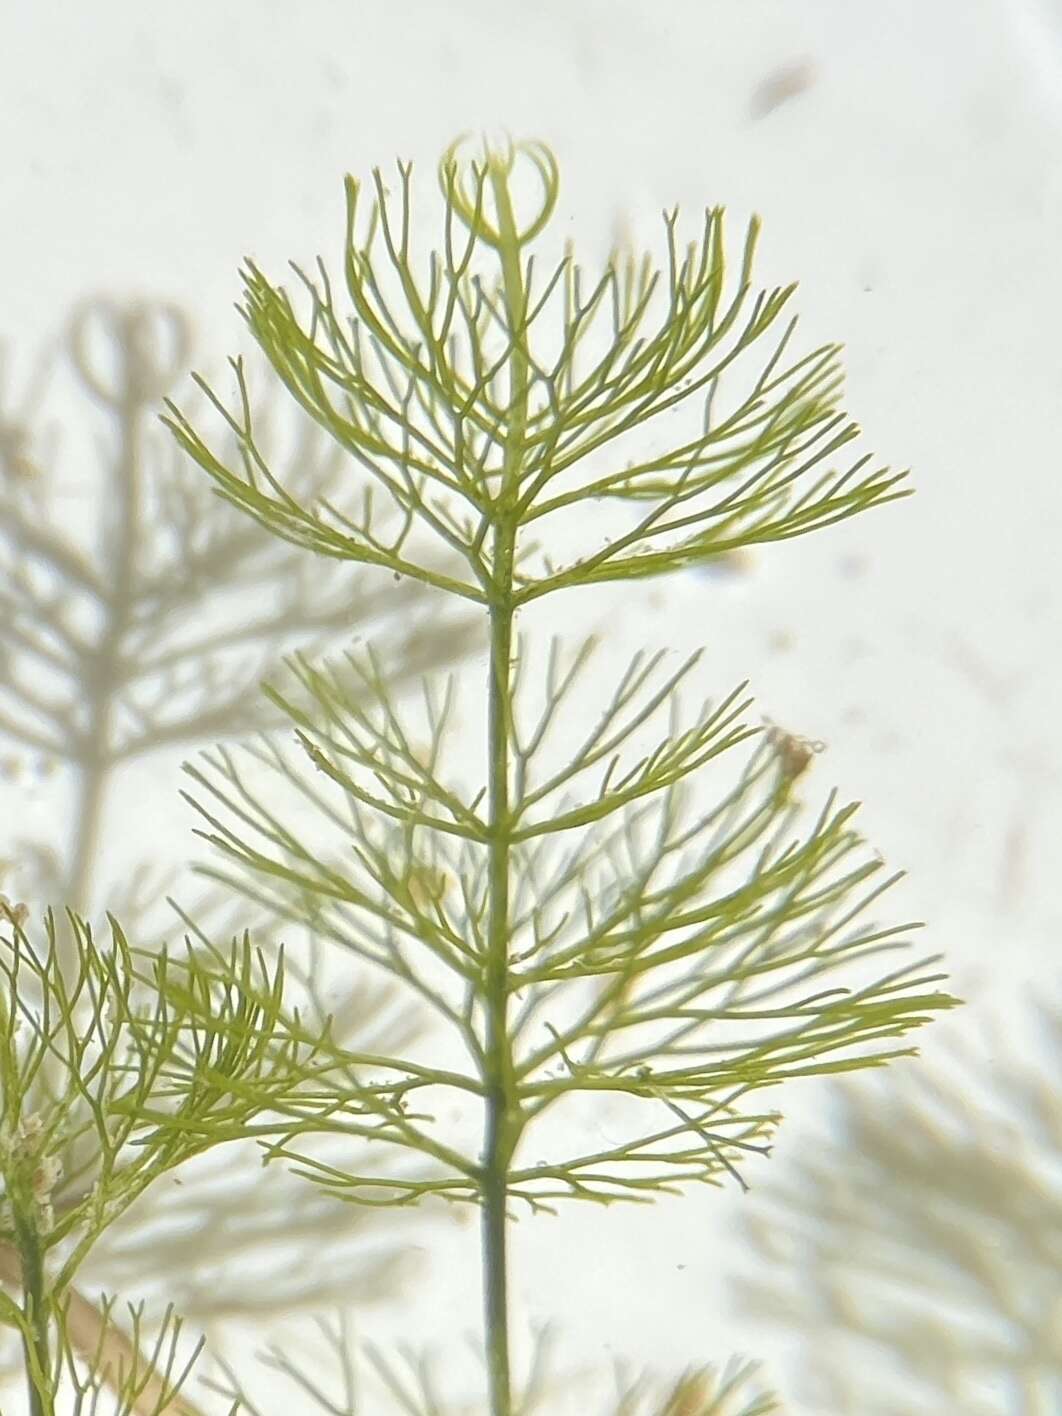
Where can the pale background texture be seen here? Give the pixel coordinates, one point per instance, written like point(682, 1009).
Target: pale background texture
point(912, 186)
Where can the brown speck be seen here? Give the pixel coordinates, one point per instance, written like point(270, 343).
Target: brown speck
point(16, 914)
point(794, 753)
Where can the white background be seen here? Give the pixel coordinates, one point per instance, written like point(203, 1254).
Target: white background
point(912, 187)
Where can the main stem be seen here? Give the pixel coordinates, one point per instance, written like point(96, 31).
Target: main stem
point(503, 1122)
point(34, 1307)
point(502, 1119)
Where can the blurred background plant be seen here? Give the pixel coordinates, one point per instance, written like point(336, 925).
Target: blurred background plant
point(138, 613)
point(126, 642)
point(337, 1385)
point(913, 1249)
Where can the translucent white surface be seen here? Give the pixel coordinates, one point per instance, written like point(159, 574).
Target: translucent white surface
point(906, 160)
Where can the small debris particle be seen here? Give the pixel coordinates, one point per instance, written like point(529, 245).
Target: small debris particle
point(780, 86)
point(853, 567)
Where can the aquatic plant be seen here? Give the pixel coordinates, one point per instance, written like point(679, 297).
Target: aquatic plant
point(586, 920)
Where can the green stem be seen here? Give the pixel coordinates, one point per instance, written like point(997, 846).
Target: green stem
point(34, 1306)
point(503, 1121)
